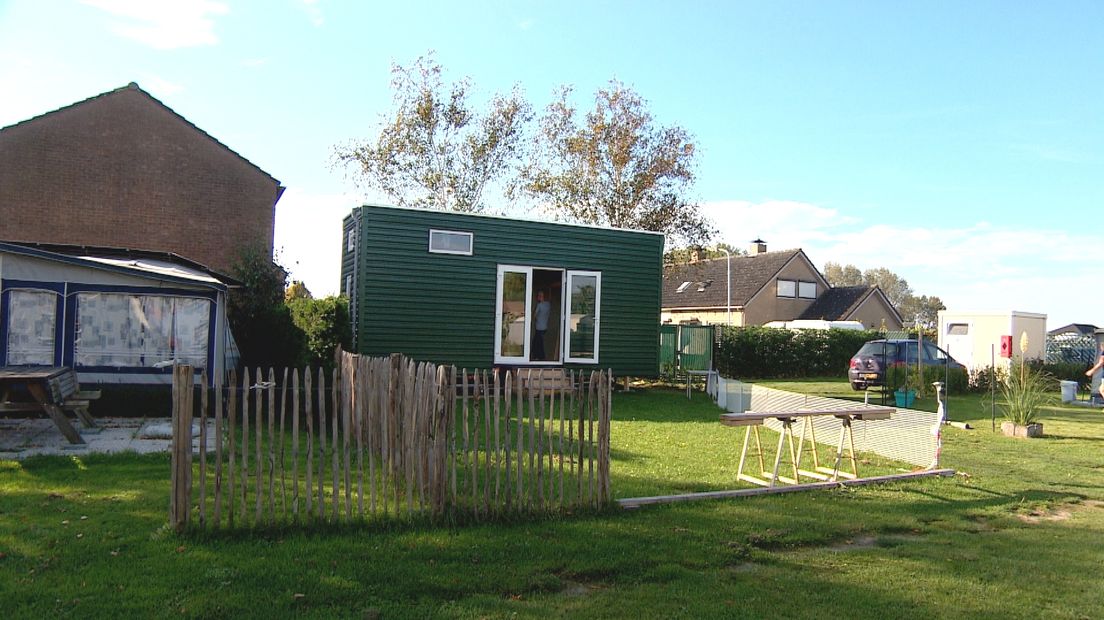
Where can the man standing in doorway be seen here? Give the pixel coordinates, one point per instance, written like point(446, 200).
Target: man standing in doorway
point(543, 311)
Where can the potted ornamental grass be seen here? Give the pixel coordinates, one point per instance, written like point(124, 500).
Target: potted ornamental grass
point(1025, 392)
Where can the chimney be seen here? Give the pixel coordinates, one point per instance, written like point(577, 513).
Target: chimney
point(757, 247)
point(696, 254)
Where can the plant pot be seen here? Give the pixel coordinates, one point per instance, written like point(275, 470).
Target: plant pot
point(1011, 429)
point(903, 398)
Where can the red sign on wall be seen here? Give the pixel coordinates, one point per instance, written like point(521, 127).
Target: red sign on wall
point(1006, 346)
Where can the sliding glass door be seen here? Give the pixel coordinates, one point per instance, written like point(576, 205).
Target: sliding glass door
point(546, 316)
point(584, 292)
point(512, 315)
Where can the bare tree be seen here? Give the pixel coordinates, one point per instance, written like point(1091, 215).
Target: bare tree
point(435, 149)
point(615, 167)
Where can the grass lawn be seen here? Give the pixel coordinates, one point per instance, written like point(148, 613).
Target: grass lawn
point(1016, 535)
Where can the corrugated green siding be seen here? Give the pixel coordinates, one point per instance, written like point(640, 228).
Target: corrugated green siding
point(441, 307)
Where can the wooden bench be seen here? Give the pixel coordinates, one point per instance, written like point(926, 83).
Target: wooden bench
point(55, 391)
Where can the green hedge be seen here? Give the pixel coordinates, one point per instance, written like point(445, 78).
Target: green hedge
point(772, 353)
point(324, 324)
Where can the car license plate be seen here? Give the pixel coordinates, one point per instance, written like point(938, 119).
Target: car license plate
point(870, 375)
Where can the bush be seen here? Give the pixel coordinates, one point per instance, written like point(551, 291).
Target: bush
point(987, 378)
point(1068, 371)
point(259, 319)
point(772, 353)
point(325, 326)
point(1025, 391)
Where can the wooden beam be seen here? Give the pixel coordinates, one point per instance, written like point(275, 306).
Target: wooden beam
point(637, 502)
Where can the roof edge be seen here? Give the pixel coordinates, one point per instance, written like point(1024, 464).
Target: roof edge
point(134, 86)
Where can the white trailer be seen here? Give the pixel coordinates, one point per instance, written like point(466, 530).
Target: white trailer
point(974, 338)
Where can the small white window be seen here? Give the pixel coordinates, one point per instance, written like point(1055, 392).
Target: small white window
point(787, 288)
point(450, 242)
point(350, 242)
point(682, 287)
point(807, 290)
point(349, 286)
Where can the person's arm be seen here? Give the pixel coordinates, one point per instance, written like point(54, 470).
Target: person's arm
point(1099, 363)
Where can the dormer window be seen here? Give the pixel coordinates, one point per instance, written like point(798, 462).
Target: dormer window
point(704, 285)
point(787, 288)
point(682, 287)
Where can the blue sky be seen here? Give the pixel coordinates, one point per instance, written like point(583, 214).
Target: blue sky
point(959, 144)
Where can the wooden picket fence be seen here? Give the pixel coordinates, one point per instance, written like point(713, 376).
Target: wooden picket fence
point(386, 437)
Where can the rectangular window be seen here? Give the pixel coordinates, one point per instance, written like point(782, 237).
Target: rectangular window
point(450, 242)
point(349, 286)
point(807, 290)
point(350, 242)
point(32, 319)
point(958, 329)
point(787, 288)
point(584, 294)
point(120, 330)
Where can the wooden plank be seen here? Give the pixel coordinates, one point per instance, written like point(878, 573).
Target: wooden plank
point(531, 448)
point(497, 430)
point(360, 412)
point(295, 443)
point(507, 404)
point(637, 502)
point(560, 443)
point(219, 438)
point(335, 451)
point(55, 413)
point(373, 400)
point(485, 393)
point(519, 455)
point(467, 436)
point(258, 397)
point(322, 440)
point(232, 412)
point(245, 443)
point(283, 444)
point(308, 400)
point(750, 417)
point(203, 449)
point(540, 439)
point(271, 407)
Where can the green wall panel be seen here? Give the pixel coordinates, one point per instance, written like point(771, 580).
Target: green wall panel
point(441, 307)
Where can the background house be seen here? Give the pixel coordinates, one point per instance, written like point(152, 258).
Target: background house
point(462, 289)
point(123, 170)
point(115, 317)
point(762, 287)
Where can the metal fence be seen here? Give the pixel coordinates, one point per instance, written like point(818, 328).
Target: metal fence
point(1073, 349)
point(685, 347)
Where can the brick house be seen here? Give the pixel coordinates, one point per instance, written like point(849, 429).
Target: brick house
point(762, 287)
point(122, 169)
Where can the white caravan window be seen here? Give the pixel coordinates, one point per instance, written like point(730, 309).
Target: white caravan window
point(120, 330)
point(32, 318)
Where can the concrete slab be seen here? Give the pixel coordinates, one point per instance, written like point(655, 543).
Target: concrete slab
point(24, 437)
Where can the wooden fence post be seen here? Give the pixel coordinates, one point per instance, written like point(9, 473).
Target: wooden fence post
point(180, 505)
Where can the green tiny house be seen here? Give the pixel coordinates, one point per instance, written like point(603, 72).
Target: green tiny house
point(473, 290)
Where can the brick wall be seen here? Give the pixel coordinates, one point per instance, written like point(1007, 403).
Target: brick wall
point(122, 170)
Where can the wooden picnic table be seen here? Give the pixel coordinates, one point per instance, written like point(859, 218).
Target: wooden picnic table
point(54, 390)
point(754, 419)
